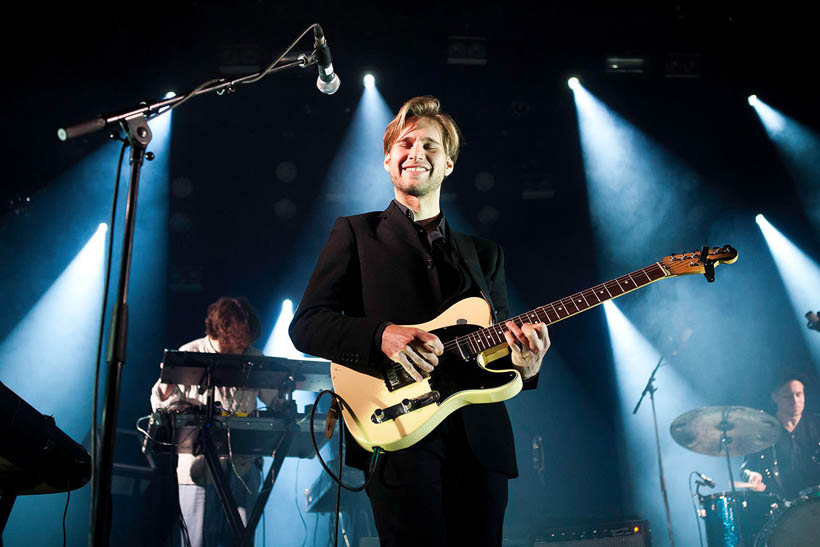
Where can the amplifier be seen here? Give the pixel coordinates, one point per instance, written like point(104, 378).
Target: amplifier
point(625, 533)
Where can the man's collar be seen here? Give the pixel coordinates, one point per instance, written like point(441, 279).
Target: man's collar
point(408, 212)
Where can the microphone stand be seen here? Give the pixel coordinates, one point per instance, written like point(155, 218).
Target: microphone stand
point(134, 121)
point(725, 440)
point(651, 389)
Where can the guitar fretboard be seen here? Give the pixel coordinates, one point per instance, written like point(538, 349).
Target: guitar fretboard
point(483, 339)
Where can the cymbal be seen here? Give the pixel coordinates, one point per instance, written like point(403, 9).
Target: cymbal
point(749, 430)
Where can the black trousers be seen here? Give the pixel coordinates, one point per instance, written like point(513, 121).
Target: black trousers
point(434, 493)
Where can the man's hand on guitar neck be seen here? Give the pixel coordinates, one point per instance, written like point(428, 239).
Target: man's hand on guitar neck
point(414, 349)
point(528, 345)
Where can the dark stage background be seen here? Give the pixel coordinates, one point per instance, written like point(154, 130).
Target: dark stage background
point(249, 185)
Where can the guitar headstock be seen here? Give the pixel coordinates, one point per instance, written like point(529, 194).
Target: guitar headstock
point(700, 262)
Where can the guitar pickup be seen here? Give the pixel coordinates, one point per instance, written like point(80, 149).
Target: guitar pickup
point(381, 415)
point(395, 377)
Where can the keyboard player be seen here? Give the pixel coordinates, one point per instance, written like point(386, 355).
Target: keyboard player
point(231, 326)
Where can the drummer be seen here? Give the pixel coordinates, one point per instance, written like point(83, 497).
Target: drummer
point(793, 462)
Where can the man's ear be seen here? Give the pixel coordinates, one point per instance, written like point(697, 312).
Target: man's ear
point(449, 168)
point(387, 162)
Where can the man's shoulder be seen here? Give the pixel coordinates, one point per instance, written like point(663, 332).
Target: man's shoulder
point(367, 218)
point(370, 220)
point(199, 345)
point(812, 418)
point(482, 244)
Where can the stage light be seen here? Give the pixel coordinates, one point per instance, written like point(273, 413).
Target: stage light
point(170, 95)
point(683, 65)
point(625, 65)
point(752, 100)
point(467, 50)
point(369, 80)
point(759, 218)
point(573, 83)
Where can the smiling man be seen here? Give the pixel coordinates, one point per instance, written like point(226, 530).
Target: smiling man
point(404, 266)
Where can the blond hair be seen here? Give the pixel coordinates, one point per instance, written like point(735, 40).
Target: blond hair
point(429, 108)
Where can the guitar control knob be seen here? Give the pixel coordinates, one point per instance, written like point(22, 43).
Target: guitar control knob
point(405, 404)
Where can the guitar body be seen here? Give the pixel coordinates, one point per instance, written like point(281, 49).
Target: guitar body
point(454, 383)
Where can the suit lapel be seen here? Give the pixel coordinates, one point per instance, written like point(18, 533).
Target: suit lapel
point(399, 226)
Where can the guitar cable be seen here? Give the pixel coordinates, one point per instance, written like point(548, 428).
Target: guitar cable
point(692, 495)
point(95, 396)
point(374, 459)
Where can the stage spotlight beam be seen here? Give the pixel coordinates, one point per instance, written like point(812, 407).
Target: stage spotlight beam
point(68, 313)
point(799, 148)
point(800, 275)
point(279, 343)
point(634, 357)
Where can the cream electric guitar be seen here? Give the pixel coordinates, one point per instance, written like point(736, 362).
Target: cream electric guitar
point(394, 412)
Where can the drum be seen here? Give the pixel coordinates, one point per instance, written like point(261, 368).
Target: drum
point(799, 525)
point(726, 514)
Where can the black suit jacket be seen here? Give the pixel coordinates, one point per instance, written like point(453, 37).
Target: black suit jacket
point(374, 269)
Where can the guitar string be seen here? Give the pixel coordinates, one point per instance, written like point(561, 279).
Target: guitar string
point(478, 337)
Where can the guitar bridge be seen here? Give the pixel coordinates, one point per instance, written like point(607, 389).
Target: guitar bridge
point(405, 406)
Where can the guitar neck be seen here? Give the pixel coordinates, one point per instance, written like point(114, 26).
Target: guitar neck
point(492, 336)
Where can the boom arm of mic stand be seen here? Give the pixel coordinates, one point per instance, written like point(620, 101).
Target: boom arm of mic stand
point(649, 387)
point(103, 121)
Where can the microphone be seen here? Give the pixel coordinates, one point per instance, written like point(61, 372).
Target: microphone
point(328, 81)
point(706, 479)
point(814, 321)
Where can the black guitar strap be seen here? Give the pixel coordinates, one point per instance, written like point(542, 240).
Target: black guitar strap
point(466, 248)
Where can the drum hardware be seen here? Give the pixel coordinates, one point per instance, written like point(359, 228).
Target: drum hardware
point(725, 431)
point(700, 513)
point(813, 320)
point(727, 514)
point(702, 430)
point(797, 524)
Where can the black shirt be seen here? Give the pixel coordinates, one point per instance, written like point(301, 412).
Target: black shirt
point(793, 463)
point(454, 282)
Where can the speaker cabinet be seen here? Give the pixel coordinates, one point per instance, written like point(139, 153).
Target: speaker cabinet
point(626, 533)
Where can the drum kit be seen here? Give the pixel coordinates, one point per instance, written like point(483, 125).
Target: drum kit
point(746, 518)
